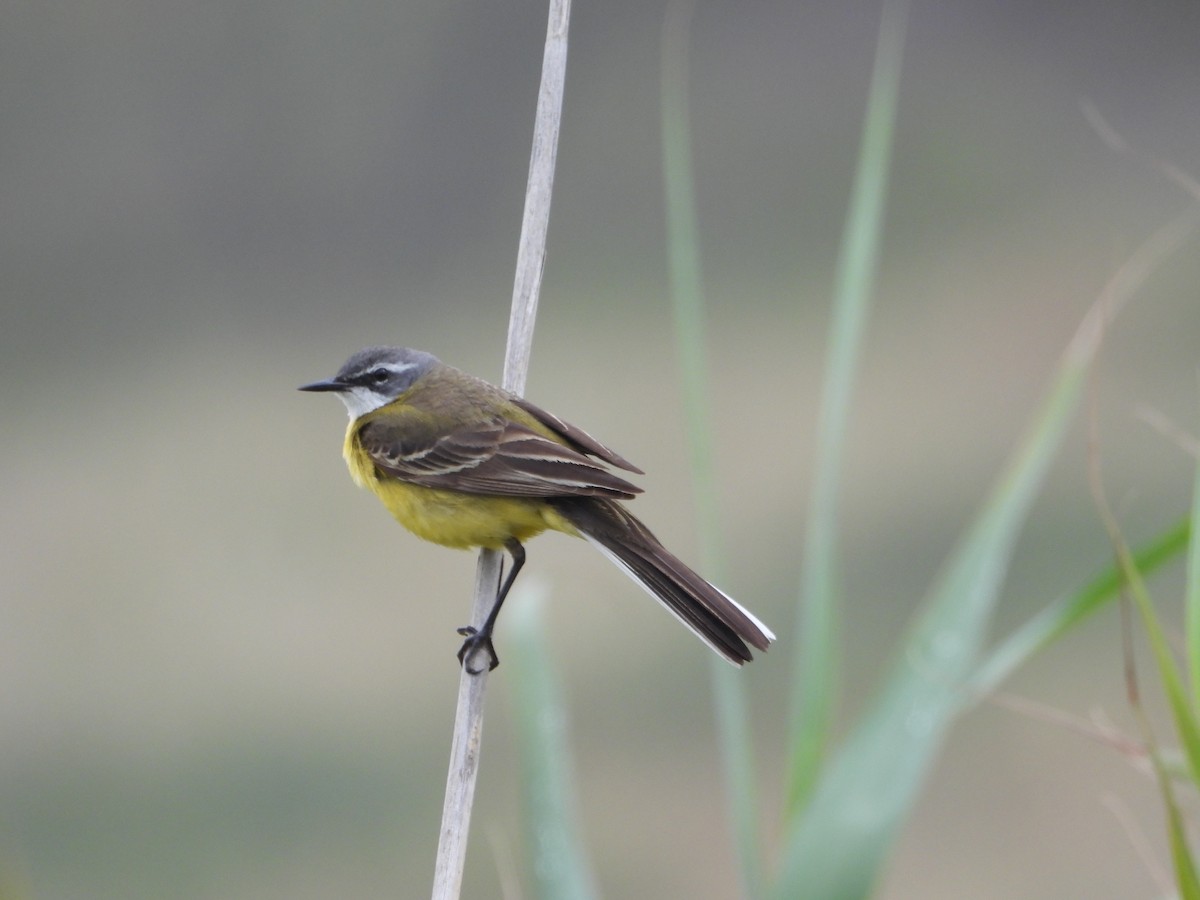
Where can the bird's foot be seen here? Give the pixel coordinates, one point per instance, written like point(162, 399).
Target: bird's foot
point(476, 642)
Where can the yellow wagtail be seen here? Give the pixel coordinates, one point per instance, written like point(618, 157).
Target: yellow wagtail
point(463, 463)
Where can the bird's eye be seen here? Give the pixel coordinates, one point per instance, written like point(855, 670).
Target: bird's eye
point(379, 376)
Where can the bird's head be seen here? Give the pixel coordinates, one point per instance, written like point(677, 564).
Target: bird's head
point(374, 377)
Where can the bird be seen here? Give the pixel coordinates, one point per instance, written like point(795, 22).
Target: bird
point(465, 464)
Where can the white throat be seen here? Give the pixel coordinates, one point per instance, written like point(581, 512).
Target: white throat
point(362, 400)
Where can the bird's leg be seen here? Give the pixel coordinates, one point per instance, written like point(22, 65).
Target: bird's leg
point(477, 638)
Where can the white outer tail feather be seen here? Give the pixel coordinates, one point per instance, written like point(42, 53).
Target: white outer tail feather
point(633, 576)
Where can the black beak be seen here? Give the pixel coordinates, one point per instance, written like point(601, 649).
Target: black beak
point(331, 384)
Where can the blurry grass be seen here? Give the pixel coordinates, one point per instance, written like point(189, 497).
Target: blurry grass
point(1062, 615)
point(687, 296)
point(842, 816)
point(1192, 595)
point(839, 841)
point(1185, 867)
point(1183, 710)
point(557, 860)
point(1172, 680)
point(1184, 705)
point(1173, 683)
point(1182, 713)
point(817, 659)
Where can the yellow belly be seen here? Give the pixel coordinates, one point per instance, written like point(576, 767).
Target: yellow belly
point(462, 520)
point(451, 518)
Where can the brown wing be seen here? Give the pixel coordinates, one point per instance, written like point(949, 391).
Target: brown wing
point(576, 437)
point(498, 458)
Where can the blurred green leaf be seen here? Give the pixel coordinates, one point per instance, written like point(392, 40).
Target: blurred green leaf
point(557, 859)
point(1168, 670)
point(836, 848)
point(1185, 867)
point(1059, 617)
point(817, 661)
point(1192, 595)
point(1181, 708)
point(1181, 711)
point(688, 308)
point(1181, 854)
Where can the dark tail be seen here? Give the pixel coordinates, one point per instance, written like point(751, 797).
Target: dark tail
point(715, 617)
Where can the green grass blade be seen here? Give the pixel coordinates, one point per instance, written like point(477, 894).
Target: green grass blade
point(1192, 596)
point(729, 694)
point(1181, 856)
point(1168, 671)
point(1185, 723)
point(1056, 619)
point(1059, 617)
point(687, 287)
point(557, 859)
point(837, 847)
point(817, 661)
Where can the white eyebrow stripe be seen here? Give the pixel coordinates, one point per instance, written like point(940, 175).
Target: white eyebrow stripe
point(396, 368)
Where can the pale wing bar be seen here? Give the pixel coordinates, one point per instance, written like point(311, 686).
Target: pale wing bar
point(500, 459)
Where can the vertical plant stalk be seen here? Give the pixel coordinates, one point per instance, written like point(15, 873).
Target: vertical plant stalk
point(531, 254)
point(687, 293)
point(531, 257)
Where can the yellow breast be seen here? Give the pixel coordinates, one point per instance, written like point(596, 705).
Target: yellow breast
point(451, 518)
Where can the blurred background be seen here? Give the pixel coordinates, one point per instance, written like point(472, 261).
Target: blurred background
point(226, 673)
